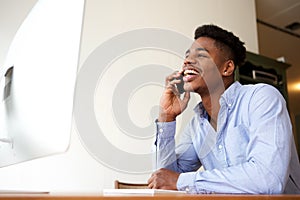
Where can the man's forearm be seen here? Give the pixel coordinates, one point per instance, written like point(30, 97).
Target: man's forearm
point(165, 145)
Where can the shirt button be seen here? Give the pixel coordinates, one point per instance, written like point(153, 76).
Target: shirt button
point(187, 189)
point(220, 146)
point(161, 130)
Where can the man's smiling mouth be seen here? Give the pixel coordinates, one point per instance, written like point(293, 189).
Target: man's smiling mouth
point(190, 72)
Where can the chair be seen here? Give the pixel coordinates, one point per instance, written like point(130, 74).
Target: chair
point(124, 185)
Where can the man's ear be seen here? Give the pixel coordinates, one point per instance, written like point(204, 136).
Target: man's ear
point(229, 67)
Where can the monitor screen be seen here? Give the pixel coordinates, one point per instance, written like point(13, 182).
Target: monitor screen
point(38, 81)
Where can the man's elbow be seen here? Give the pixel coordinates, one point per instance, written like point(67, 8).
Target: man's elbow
point(271, 186)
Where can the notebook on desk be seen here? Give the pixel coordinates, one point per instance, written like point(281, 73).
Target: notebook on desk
point(140, 192)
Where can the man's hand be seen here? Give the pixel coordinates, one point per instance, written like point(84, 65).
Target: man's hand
point(170, 103)
point(163, 179)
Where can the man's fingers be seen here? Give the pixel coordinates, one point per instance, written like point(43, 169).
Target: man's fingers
point(153, 181)
point(173, 77)
point(152, 184)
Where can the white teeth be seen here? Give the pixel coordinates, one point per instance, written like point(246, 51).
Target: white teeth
point(190, 72)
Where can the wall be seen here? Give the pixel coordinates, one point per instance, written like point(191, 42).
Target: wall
point(77, 169)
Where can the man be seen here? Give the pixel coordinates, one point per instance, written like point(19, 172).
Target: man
point(240, 135)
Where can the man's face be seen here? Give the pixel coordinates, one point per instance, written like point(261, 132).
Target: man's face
point(201, 68)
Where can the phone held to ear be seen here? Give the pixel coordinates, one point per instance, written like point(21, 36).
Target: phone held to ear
point(180, 85)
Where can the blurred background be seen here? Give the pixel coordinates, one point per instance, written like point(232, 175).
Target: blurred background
point(278, 29)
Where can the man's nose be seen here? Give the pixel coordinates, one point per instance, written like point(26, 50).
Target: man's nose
point(188, 61)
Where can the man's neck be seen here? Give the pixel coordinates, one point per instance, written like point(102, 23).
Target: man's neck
point(212, 106)
point(210, 101)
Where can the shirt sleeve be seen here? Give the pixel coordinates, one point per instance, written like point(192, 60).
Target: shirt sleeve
point(266, 169)
point(179, 158)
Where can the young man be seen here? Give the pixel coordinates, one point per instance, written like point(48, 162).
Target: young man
point(241, 135)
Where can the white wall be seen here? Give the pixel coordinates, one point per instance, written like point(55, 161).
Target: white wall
point(77, 170)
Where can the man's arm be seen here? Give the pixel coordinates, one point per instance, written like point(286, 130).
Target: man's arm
point(172, 161)
point(180, 158)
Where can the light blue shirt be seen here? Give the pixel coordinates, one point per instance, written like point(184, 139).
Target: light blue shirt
point(252, 151)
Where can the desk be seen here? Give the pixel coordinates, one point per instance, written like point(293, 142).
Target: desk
point(155, 197)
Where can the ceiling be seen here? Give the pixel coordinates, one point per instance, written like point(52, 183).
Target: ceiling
point(279, 13)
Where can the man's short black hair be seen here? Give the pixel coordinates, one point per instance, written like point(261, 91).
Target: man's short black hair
point(223, 37)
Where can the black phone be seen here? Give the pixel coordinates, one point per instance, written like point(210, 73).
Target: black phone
point(180, 85)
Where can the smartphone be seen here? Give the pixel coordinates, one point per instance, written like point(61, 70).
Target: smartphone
point(180, 85)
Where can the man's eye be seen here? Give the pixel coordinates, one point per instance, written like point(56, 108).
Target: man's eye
point(201, 55)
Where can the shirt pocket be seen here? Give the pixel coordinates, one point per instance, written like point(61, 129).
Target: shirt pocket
point(236, 141)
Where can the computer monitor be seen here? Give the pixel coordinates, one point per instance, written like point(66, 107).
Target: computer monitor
point(38, 81)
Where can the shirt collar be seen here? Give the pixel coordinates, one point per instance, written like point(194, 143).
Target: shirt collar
point(199, 109)
point(229, 96)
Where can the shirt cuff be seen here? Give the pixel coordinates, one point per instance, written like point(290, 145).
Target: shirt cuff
point(186, 182)
point(165, 129)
